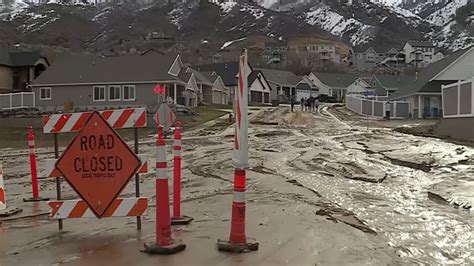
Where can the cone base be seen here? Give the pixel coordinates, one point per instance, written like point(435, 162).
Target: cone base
point(250, 245)
point(183, 220)
point(153, 248)
point(10, 211)
point(35, 199)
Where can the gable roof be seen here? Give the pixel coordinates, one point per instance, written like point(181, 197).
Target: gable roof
point(255, 75)
point(281, 77)
point(211, 76)
point(424, 83)
point(227, 70)
point(14, 58)
point(393, 81)
point(89, 69)
point(338, 80)
point(200, 78)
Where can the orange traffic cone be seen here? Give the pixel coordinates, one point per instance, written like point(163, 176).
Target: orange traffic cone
point(4, 211)
point(164, 244)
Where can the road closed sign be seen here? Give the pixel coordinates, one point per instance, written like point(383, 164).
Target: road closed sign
point(98, 164)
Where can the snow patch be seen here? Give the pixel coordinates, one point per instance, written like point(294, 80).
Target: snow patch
point(338, 25)
point(256, 12)
point(227, 6)
point(444, 15)
point(229, 43)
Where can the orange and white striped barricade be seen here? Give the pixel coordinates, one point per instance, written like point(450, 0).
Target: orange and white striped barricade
point(33, 168)
point(73, 122)
point(238, 241)
point(177, 218)
point(164, 243)
point(4, 210)
point(121, 207)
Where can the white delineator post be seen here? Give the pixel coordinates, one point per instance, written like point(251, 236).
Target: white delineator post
point(4, 211)
point(238, 242)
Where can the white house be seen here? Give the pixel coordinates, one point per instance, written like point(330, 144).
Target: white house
point(360, 86)
point(424, 94)
point(420, 53)
point(332, 84)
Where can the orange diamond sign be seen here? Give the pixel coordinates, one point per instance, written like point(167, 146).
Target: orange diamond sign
point(98, 164)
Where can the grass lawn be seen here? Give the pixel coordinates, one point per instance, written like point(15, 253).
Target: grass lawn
point(205, 114)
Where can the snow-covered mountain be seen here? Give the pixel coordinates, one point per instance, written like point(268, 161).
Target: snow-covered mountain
point(377, 23)
point(364, 22)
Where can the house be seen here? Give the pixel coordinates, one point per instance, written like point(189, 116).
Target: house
point(364, 58)
point(282, 81)
point(228, 71)
point(85, 82)
point(333, 84)
point(212, 89)
point(275, 53)
point(458, 111)
point(420, 53)
point(220, 93)
point(306, 88)
point(325, 50)
point(386, 85)
point(361, 87)
point(424, 93)
point(18, 69)
point(260, 89)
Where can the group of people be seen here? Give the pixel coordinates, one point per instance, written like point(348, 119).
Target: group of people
point(307, 103)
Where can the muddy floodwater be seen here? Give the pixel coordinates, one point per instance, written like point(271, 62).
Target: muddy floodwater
point(415, 195)
point(415, 192)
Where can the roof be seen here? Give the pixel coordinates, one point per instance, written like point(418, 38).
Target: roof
point(281, 77)
point(14, 58)
point(394, 81)
point(381, 49)
point(200, 78)
point(211, 76)
point(79, 69)
point(338, 80)
point(423, 84)
point(227, 70)
point(416, 43)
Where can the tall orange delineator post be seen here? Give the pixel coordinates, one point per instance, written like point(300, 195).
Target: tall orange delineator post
point(163, 244)
point(177, 218)
point(238, 241)
point(34, 172)
point(4, 210)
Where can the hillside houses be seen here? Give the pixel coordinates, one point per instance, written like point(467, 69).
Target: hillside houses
point(418, 54)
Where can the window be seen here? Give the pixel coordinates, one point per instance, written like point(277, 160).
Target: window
point(114, 93)
point(129, 93)
point(45, 93)
point(99, 93)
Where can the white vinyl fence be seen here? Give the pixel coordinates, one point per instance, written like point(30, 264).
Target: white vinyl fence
point(372, 107)
point(458, 99)
point(18, 100)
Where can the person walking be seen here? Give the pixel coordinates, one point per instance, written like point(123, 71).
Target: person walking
point(310, 103)
point(316, 103)
point(302, 104)
point(293, 101)
point(387, 110)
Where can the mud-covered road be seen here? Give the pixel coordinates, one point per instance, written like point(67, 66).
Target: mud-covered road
point(394, 193)
point(398, 184)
